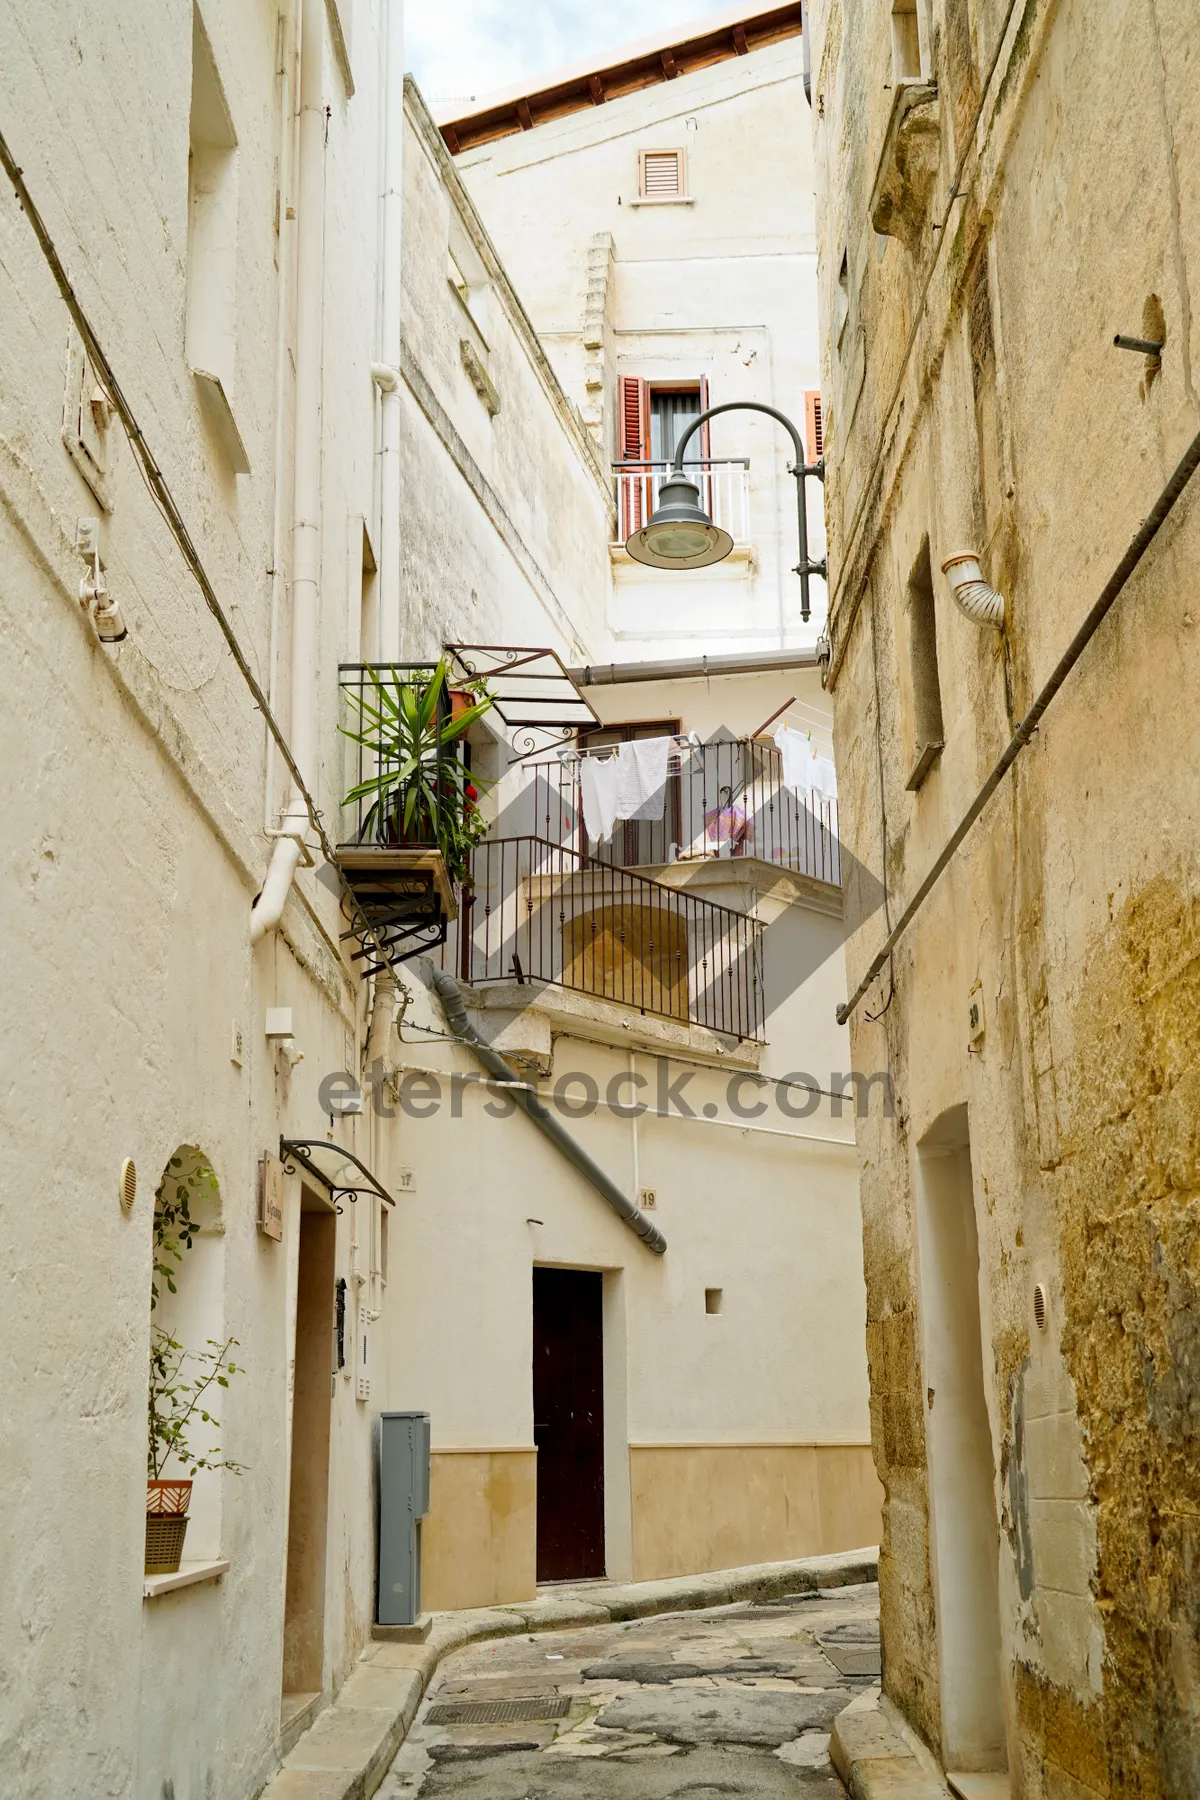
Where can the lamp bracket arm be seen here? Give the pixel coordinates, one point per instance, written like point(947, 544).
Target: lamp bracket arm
point(743, 406)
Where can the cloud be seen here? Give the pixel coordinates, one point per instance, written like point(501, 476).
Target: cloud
point(458, 49)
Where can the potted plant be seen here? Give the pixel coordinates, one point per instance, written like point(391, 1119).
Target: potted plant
point(421, 794)
point(177, 1402)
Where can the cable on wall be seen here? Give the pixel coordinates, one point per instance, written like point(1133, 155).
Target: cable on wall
point(163, 498)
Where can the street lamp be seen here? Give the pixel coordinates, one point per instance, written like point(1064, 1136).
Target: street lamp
point(679, 533)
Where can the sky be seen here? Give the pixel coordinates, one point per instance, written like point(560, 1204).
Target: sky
point(461, 48)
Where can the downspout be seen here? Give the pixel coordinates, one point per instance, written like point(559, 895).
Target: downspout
point(306, 512)
point(386, 372)
point(804, 38)
point(450, 995)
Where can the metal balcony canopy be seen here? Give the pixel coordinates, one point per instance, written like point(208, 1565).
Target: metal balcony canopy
point(530, 688)
point(330, 1164)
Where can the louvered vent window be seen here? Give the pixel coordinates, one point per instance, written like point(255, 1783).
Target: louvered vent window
point(662, 174)
point(815, 430)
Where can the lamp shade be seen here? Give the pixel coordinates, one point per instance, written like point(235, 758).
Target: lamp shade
point(679, 533)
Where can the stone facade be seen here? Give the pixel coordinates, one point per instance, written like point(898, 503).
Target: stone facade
point(1002, 188)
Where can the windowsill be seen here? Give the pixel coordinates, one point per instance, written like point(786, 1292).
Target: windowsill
point(927, 756)
point(186, 1575)
point(664, 200)
point(469, 316)
point(220, 412)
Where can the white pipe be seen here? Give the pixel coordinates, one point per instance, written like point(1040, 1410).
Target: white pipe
point(384, 372)
point(306, 512)
point(633, 1123)
point(287, 165)
point(981, 603)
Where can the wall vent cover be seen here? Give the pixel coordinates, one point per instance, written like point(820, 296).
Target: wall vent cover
point(498, 1712)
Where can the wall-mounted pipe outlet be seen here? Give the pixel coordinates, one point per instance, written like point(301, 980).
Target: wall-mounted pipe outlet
point(972, 595)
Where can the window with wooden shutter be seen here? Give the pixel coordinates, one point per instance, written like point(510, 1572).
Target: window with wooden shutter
point(662, 174)
point(634, 489)
point(707, 498)
point(813, 428)
point(635, 419)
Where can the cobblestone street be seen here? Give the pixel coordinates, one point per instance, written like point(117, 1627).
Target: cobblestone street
point(735, 1701)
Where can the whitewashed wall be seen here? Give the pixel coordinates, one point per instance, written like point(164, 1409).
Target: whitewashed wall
point(722, 286)
point(139, 788)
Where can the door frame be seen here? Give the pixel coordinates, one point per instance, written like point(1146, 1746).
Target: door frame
point(964, 1525)
point(618, 1503)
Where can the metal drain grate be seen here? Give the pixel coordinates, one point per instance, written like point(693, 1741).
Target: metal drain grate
point(497, 1712)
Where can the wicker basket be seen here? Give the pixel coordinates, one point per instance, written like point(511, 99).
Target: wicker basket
point(164, 1542)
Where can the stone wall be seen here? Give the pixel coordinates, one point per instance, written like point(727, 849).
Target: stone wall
point(975, 402)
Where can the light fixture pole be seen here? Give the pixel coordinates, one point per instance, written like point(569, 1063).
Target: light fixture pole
point(679, 533)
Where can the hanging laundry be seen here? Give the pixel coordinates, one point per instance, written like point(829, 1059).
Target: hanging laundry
point(803, 770)
point(598, 791)
point(642, 778)
point(824, 778)
point(796, 754)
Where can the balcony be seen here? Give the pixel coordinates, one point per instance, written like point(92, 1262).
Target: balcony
point(536, 911)
point(724, 493)
point(725, 799)
point(404, 835)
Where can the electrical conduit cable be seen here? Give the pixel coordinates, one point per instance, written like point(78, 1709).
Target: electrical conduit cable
point(1112, 589)
point(454, 1007)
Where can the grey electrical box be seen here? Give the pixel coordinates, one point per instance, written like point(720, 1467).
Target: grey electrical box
point(403, 1503)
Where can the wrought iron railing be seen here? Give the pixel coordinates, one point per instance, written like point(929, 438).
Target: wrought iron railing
point(390, 809)
point(538, 911)
point(722, 799)
point(724, 493)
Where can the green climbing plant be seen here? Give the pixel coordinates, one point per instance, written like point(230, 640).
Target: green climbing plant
point(182, 1380)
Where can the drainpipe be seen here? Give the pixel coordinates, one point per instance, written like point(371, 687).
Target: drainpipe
point(306, 512)
point(450, 995)
point(804, 39)
point(386, 372)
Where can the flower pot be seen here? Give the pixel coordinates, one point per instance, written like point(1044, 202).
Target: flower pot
point(164, 1542)
point(168, 1497)
point(460, 700)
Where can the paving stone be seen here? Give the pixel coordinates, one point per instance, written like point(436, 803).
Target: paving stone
point(727, 1716)
point(648, 1673)
point(850, 1631)
point(809, 1751)
point(721, 1698)
point(637, 1775)
point(443, 1753)
point(854, 1659)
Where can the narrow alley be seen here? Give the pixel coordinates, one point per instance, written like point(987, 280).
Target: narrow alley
point(738, 1701)
point(600, 899)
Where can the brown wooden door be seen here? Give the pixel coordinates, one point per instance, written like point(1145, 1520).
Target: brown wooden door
point(568, 1423)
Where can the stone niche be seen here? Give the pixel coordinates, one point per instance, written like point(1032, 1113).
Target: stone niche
point(908, 163)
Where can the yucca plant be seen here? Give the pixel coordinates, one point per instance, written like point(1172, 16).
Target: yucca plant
point(420, 791)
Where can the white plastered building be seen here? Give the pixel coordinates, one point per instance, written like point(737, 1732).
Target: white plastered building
point(655, 210)
point(370, 462)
